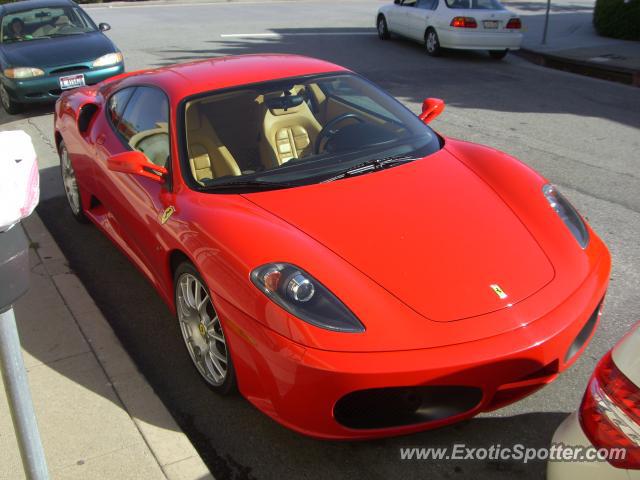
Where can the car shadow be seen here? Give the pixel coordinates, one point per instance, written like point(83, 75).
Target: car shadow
point(28, 111)
point(236, 440)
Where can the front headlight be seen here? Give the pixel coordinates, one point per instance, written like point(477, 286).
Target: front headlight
point(23, 72)
point(303, 296)
point(108, 60)
point(567, 213)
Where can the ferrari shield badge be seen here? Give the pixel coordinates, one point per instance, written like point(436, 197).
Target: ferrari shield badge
point(166, 215)
point(498, 291)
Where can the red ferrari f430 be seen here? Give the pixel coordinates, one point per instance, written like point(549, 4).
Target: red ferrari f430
point(352, 272)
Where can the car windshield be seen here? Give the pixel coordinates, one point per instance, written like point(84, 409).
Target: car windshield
point(296, 131)
point(475, 4)
point(48, 22)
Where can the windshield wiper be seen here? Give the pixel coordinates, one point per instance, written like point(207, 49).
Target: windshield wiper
point(370, 166)
point(257, 184)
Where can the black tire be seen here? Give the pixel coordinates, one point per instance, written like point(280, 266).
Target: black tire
point(10, 106)
point(498, 54)
point(76, 212)
point(383, 30)
point(229, 385)
point(432, 42)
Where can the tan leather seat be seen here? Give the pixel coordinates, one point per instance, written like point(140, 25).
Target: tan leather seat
point(153, 143)
point(288, 134)
point(208, 157)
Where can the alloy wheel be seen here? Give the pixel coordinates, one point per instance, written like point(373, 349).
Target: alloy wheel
point(201, 330)
point(70, 182)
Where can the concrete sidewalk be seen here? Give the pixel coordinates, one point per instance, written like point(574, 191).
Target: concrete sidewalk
point(573, 43)
point(98, 416)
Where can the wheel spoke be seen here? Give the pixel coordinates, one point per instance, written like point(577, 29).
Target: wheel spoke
point(218, 355)
point(202, 305)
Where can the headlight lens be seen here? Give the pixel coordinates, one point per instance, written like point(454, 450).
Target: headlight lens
point(303, 296)
point(23, 72)
point(567, 213)
point(108, 59)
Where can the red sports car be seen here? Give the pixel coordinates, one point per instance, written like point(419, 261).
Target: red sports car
point(352, 272)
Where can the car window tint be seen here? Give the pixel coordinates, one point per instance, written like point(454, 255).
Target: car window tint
point(145, 124)
point(46, 22)
point(409, 3)
point(475, 4)
point(116, 105)
point(427, 4)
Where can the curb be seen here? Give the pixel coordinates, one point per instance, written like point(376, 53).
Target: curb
point(172, 450)
point(627, 76)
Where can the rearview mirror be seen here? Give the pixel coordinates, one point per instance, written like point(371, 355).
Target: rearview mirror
point(431, 108)
point(104, 27)
point(136, 163)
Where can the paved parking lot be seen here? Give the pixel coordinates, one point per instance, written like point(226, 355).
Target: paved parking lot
point(580, 133)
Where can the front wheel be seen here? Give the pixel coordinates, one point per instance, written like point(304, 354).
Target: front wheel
point(202, 330)
point(11, 107)
point(71, 189)
point(383, 30)
point(432, 43)
point(498, 54)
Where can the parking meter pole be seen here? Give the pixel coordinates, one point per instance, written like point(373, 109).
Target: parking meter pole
point(546, 23)
point(16, 386)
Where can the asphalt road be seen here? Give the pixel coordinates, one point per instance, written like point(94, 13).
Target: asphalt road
point(581, 133)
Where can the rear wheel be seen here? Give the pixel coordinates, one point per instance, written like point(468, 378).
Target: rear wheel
point(202, 330)
point(498, 54)
point(432, 43)
point(10, 106)
point(383, 30)
point(71, 189)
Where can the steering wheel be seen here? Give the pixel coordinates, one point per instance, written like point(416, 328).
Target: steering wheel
point(327, 131)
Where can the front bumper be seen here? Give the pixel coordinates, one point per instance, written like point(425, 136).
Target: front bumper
point(476, 40)
point(302, 387)
point(47, 87)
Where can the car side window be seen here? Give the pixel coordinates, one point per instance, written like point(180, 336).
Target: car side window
point(144, 125)
point(428, 4)
point(116, 105)
point(409, 3)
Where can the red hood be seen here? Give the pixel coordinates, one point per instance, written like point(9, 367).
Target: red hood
point(431, 233)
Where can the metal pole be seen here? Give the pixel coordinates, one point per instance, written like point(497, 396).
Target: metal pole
point(546, 23)
point(20, 405)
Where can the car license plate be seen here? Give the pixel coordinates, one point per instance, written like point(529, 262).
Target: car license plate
point(72, 81)
point(490, 24)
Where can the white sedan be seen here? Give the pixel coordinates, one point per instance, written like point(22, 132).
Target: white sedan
point(459, 24)
point(608, 420)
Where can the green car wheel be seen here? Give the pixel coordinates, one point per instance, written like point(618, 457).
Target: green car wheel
point(9, 105)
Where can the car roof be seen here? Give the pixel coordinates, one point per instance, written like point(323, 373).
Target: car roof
point(29, 4)
point(187, 79)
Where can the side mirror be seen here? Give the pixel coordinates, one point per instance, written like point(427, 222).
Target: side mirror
point(397, 2)
point(136, 163)
point(104, 27)
point(431, 108)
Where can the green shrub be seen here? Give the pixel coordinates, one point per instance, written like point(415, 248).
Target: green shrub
point(617, 18)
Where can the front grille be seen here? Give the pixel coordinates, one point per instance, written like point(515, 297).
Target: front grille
point(75, 68)
point(400, 406)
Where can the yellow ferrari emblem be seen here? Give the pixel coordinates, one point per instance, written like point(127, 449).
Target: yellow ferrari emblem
point(166, 215)
point(203, 330)
point(498, 291)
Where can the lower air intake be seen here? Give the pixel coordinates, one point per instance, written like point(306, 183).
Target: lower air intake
point(400, 406)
